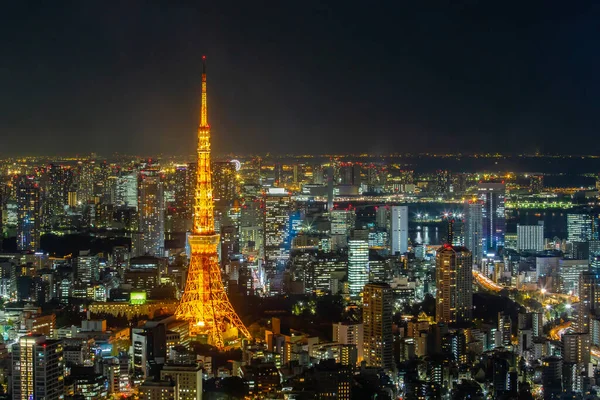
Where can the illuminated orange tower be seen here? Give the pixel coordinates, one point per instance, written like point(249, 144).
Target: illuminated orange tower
point(204, 302)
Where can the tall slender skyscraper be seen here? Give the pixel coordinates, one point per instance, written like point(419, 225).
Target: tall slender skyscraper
point(399, 229)
point(494, 220)
point(278, 207)
point(358, 266)
point(127, 190)
point(473, 229)
point(454, 282)
point(29, 214)
point(377, 324)
point(589, 300)
point(224, 183)
point(151, 207)
point(204, 302)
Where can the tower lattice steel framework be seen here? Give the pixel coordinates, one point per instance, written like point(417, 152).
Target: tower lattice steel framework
point(204, 302)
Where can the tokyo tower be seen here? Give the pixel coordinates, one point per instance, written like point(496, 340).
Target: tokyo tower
point(204, 302)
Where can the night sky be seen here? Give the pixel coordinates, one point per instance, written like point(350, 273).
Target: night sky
point(300, 76)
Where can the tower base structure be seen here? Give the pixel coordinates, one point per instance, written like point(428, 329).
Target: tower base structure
point(204, 302)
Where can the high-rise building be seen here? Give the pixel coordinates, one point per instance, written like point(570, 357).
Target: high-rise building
point(188, 379)
point(151, 209)
point(569, 272)
point(224, 182)
point(494, 220)
point(530, 237)
point(576, 348)
point(377, 324)
point(579, 227)
point(29, 214)
point(589, 300)
point(454, 283)
point(38, 370)
point(350, 333)
point(87, 267)
point(342, 221)
point(58, 183)
point(552, 377)
point(473, 229)
point(127, 190)
point(504, 329)
point(85, 181)
point(350, 174)
point(278, 207)
point(358, 266)
point(399, 229)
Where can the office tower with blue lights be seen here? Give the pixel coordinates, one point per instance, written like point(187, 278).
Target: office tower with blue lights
point(29, 214)
point(151, 212)
point(277, 210)
point(473, 229)
point(580, 230)
point(358, 266)
point(493, 194)
point(399, 236)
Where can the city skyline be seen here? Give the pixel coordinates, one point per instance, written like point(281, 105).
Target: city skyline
point(126, 79)
point(381, 206)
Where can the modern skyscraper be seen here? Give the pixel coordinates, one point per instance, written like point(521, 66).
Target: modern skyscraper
point(342, 221)
point(29, 214)
point(377, 325)
point(350, 174)
point(454, 282)
point(278, 206)
point(59, 181)
point(224, 183)
point(589, 300)
point(85, 181)
point(358, 266)
point(204, 302)
point(38, 368)
point(127, 190)
point(530, 237)
point(399, 229)
point(494, 220)
point(579, 227)
point(151, 213)
point(87, 267)
point(473, 229)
